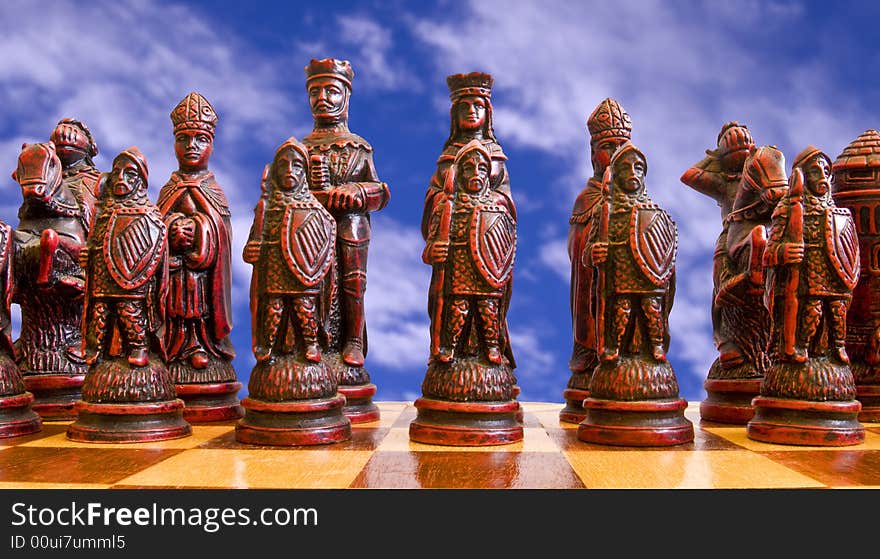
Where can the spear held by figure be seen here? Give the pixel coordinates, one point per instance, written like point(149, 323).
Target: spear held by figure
point(604, 218)
point(795, 232)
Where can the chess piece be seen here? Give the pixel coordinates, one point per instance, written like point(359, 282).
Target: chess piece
point(199, 304)
point(808, 395)
point(17, 416)
point(344, 180)
point(128, 394)
point(293, 397)
point(56, 179)
point(468, 394)
point(632, 244)
point(609, 126)
point(855, 185)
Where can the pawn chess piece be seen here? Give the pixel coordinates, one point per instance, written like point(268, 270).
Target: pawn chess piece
point(17, 416)
point(855, 185)
point(633, 391)
point(468, 393)
point(610, 126)
point(344, 180)
point(199, 304)
point(128, 394)
point(808, 395)
point(293, 398)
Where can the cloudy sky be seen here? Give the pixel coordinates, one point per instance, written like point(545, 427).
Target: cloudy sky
point(797, 73)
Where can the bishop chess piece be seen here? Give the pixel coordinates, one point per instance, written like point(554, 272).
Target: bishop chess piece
point(808, 395)
point(610, 126)
point(468, 396)
point(856, 186)
point(344, 180)
point(58, 181)
point(128, 394)
point(199, 304)
point(293, 397)
point(633, 243)
point(17, 416)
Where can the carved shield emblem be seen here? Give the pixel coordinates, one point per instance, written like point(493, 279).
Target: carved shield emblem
point(843, 245)
point(654, 242)
point(134, 246)
point(307, 242)
point(493, 244)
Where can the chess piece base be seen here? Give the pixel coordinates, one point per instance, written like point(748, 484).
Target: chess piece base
point(207, 402)
point(359, 406)
point(636, 422)
point(729, 401)
point(55, 396)
point(574, 411)
point(869, 396)
point(17, 416)
point(129, 422)
point(448, 423)
point(293, 423)
point(806, 423)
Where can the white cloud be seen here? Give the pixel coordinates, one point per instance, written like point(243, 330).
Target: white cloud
point(375, 43)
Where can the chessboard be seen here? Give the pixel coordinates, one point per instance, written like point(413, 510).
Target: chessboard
point(381, 456)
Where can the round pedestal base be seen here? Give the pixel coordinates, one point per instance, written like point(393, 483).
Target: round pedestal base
point(293, 423)
point(359, 406)
point(806, 423)
point(129, 423)
point(206, 402)
point(55, 396)
point(448, 423)
point(17, 416)
point(574, 411)
point(869, 396)
point(729, 401)
point(636, 423)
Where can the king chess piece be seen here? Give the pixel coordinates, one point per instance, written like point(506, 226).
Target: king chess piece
point(58, 182)
point(468, 396)
point(293, 397)
point(808, 395)
point(199, 304)
point(128, 394)
point(633, 242)
point(855, 185)
point(609, 126)
point(344, 180)
point(17, 416)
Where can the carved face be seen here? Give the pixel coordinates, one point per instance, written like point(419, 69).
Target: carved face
point(71, 143)
point(733, 161)
point(193, 149)
point(629, 172)
point(328, 98)
point(817, 175)
point(290, 170)
point(474, 172)
point(471, 112)
point(602, 151)
point(125, 178)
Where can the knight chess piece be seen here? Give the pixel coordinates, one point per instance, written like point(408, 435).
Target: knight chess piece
point(17, 416)
point(58, 182)
point(128, 394)
point(344, 180)
point(855, 185)
point(293, 396)
point(610, 126)
point(808, 395)
point(199, 304)
point(633, 243)
point(468, 396)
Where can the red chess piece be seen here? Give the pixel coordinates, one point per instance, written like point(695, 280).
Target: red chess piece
point(199, 304)
point(344, 180)
point(633, 392)
point(293, 397)
point(808, 395)
point(128, 394)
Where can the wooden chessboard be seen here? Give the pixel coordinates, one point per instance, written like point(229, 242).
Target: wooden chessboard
point(380, 455)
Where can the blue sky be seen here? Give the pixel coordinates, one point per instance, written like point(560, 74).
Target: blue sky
point(797, 73)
